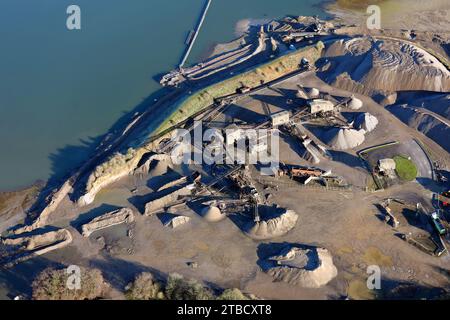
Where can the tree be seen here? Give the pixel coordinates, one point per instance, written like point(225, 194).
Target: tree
point(178, 288)
point(144, 287)
point(232, 294)
point(54, 284)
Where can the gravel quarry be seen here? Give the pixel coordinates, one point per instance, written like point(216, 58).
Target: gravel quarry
point(310, 229)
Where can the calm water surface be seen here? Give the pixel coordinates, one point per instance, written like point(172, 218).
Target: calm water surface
point(60, 89)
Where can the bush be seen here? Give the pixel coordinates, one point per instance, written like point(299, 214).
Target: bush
point(178, 288)
point(51, 284)
point(144, 287)
point(232, 294)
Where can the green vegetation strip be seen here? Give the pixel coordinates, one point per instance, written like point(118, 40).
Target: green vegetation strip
point(405, 168)
point(253, 78)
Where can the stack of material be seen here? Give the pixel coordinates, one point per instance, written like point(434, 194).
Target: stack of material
point(177, 221)
point(355, 104)
point(313, 93)
point(24, 248)
point(344, 139)
point(124, 215)
point(154, 164)
point(162, 202)
point(274, 227)
point(366, 122)
point(305, 267)
point(212, 214)
point(301, 94)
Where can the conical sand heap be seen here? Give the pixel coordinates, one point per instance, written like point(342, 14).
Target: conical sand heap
point(366, 122)
point(313, 92)
point(274, 227)
point(355, 104)
point(212, 214)
point(343, 138)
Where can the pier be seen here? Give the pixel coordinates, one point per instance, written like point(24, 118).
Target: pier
point(193, 35)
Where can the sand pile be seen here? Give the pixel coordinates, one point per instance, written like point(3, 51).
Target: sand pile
point(212, 214)
point(366, 121)
point(24, 248)
point(344, 139)
point(360, 65)
point(154, 164)
point(159, 167)
point(306, 267)
point(301, 94)
point(355, 104)
point(158, 204)
point(272, 227)
point(119, 216)
point(177, 221)
point(313, 92)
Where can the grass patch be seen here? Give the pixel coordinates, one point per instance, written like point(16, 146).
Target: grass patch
point(405, 168)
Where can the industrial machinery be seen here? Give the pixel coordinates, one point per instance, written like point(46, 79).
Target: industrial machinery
point(444, 199)
point(437, 223)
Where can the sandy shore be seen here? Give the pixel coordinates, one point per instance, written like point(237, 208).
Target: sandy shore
point(431, 15)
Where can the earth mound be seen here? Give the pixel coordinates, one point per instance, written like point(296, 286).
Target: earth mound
point(272, 227)
point(307, 267)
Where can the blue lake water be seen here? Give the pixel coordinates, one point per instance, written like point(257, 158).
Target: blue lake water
point(61, 89)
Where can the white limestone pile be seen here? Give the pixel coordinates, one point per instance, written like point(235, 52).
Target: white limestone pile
point(343, 138)
point(313, 93)
point(212, 214)
point(366, 122)
point(273, 227)
point(177, 221)
point(355, 104)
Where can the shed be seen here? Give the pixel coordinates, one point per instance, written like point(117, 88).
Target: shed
point(280, 118)
point(386, 165)
point(320, 105)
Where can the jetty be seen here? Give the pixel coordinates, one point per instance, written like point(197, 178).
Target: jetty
point(193, 35)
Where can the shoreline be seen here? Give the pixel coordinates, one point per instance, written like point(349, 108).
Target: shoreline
point(157, 94)
point(226, 253)
point(331, 9)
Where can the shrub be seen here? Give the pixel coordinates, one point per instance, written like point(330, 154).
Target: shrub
point(144, 287)
point(178, 288)
point(232, 294)
point(51, 284)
